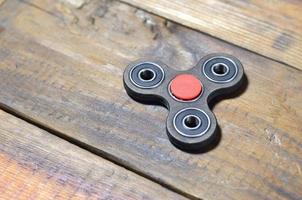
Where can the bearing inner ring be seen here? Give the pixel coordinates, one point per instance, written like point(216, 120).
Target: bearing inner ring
point(191, 122)
point(220, 67)
point(148, 73)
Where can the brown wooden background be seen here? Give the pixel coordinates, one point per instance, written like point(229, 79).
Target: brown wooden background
point(68, 130)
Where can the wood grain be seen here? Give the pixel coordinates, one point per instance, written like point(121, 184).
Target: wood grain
point(271, 28)
point(37, 165)
point(61, 67)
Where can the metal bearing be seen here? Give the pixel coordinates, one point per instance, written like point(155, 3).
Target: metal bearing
point(191, 122)
point(146, 75)
point(220, 69)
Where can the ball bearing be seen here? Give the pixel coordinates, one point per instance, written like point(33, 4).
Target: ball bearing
point(191, 122)
point(146, 75)
point(220, 69)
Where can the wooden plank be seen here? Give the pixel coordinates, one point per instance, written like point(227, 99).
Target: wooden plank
point(270, 28)
point(62, 67)
point(37, 165)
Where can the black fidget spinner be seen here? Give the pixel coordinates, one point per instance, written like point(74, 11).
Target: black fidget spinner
point(191, 125)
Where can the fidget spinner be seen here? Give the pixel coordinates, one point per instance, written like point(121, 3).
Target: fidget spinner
point(191, 125)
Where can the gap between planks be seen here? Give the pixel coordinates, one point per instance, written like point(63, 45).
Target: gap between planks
point(94, 151)
point(280, 45)
point(41, 160)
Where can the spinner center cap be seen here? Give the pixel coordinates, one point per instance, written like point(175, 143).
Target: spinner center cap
point(185, 87)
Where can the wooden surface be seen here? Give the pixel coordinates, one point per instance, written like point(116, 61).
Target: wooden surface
point(61, 68)
point(270, 28)
point(37, 165)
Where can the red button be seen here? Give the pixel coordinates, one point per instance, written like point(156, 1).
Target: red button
point(186, 87)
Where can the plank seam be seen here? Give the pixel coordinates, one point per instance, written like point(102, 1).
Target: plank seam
point(193, 29)
point(212, 36)
point(103, 154)
point(39, 8)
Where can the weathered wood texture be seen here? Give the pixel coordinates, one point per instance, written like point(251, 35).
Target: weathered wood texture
point(37, 165)
point(270, 28)
point(62, 68)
